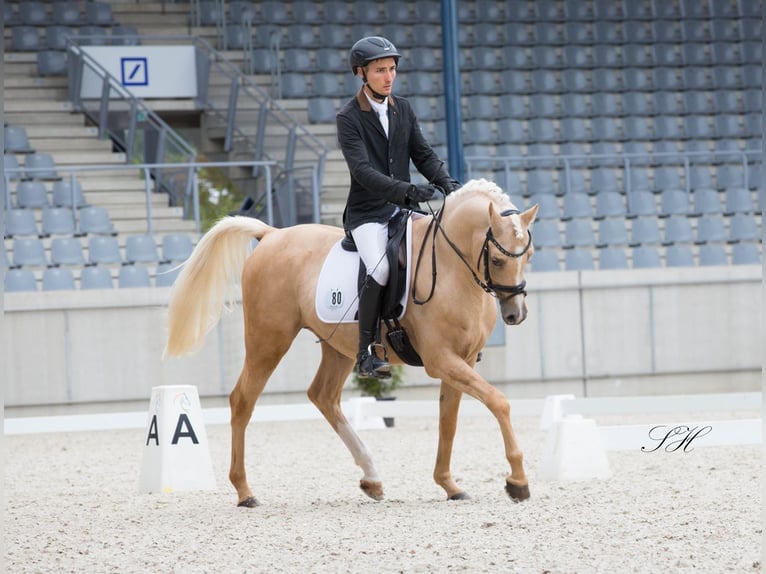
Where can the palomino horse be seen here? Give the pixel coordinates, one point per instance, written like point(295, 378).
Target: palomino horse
point(480, 244)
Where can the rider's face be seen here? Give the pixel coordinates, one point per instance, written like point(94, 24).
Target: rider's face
point(380, 75)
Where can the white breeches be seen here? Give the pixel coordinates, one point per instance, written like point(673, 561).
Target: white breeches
point(371, 240)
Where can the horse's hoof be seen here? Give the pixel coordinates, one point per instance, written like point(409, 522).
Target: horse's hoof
point(372, 489)
point(460, 496)
point(517, 492)
point(249, 502)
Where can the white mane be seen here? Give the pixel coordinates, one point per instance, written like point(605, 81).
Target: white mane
point(495, 193)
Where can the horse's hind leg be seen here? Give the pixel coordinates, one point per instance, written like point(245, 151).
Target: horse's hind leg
point(325, 392)
point(263, 353)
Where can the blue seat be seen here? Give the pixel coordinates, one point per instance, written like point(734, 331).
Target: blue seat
point(679, 256)
point(605, 129)
point(33, 13)
point(545, 261)
point(243, 11)
point(667, 177)
point(548, 205)
point(95, 220)
point(58, 221)
point(93, 36)
point(40, 165)
point(700, 177)
point(576, 205)
point(31, 195)
point(103, 250)
point(712, 254)
point(711, 229)
point(66, 13)
point(298, 60)
point(56, 37)
point(176, 247)
point(131, 276)
point(58, 279)
point(65, 194)
point(610, 204)
point(645, 231)
point(574, 129)
point(612, 232)
point(578, 260)
point(603, 180)
point(540, 181)
point(13, 171)
point(728, 176)
point(293, 85)
point(20, 222)
point(640, 203)
point(706, 201)
point(612, 258)
point(66, 251)
point(605, 56)
point(738, 200)
point(578, 233)
point(741, 254)
point(141, 249)
point(25, 39)
point(678, 229)
point(100, 13)
point(29, 252)
point(674, 202)
point(323, 111)
point(17, 280)
point(547, 234)
point(129, 36)
point(743, 227)
point(94, 277)
point(166, 274)
point(646, 257)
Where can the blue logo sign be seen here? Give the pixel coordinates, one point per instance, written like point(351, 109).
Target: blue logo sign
point(135, 71)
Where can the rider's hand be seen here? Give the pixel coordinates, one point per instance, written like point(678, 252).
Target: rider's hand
point(421, 192)
point(449, 185)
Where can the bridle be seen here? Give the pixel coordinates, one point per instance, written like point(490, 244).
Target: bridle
point(488, 285)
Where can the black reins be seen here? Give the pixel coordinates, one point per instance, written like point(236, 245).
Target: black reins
point(487, 284)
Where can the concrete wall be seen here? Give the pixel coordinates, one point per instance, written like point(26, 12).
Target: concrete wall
point(595, 333)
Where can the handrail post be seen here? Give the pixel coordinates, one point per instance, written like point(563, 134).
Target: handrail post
point(104, 111)
point(148, 191)
point(231, 114)
point(269, 201)
point(131, 136)
point(315, 191)
point(195, 200)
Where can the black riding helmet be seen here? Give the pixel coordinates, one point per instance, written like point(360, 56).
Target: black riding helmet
point(371, 48)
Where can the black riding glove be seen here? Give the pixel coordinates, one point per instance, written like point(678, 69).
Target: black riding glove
point(421, 192)
point(449, 185)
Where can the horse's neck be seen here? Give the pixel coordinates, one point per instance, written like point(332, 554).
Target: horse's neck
point(466, 224)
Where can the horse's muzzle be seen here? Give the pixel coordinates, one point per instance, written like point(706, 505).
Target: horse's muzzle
point(514, 310)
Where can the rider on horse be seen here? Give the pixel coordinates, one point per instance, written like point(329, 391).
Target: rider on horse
point(379, 134)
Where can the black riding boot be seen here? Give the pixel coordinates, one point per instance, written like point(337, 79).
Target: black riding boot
point(368, 363)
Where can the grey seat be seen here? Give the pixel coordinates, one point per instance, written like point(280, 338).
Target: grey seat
point(20, 222)
point(605, 129)
point(751, 27)
point(65, 194)
point(576, 80)
point(51, 63)
point(572, 182)
point(103, 250)
point(645, 231)
point(637, 79)
point(605, 56)
point(547, 234)
point(743, 227)
point(578, 32)
point(298, 60)
point(727, 102)
point(724, 30)
point(741, 254)
point(58, 279)
point(646, 257)
point(738, 200)
point(544, 105)
point(667, 177)
point(604, 179)
point(712, 254)
point(578, 233)
point(294, 85)
point(100, 14)
point(575, 105)
point(636, 104)
point(176, 247)
point(694, 30)
point(607, 104)
point(636, 33)
point(33, 13)
point(578, 260)
point(540, 181)
point(697, 127)
point(510, 130)
point(93, 36)
point(576, 56)
point(423, 58)
point(606, 32)
point(730, 176)
point(334, 35)
point(338, 12)
point(488, 33)
point(243, 11)
point(322, 111)
point(95, 220)
point(576, 205)
point(56, 37)
point(637, 128)
point(694, 54)
point(545, 261)
point(478, 131)
point(640, 203)
point(711, 229)
point(674, 202)
point(700, 177)
point(31, 195)
point(141, 249)
point(129, 36)
point(612, 232)
point(548, 207)
point(25, 39)
point(517, 33)
point(16, 140)
point(542, 130)
point(480, 106)
point(58, 221)
point(329, 60)
point(94, 277)
point(698, 102)
point(398, 12)
point(66, 251)
point(547, 33)
point(678, 229)
point(166, 274)
point(17, 280)
point(726, 77)
point(612, 258)
point(667, 128)
point(66, 13)
point(679, 256)
point(726, 54)
point(665, 79)
point(706, 201)
point(610, 204)
point(29, 252)
point(132, 276)
point(727, 126)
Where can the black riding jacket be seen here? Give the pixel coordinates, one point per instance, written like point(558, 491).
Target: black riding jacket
point(380, 166)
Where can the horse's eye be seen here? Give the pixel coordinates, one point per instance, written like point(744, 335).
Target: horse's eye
point(498, 261)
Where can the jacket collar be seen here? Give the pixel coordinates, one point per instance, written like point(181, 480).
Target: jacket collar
point(364, 103)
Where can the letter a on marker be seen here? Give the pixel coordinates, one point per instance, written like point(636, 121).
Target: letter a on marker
point(183, 420)
point(153, 433)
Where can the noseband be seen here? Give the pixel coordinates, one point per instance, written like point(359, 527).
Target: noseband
point(487, 284)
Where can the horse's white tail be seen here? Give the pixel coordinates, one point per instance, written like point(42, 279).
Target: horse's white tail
point(207, 282)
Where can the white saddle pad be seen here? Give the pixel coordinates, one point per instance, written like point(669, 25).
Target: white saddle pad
point(337, 297)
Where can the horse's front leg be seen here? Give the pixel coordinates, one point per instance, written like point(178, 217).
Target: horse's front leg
point(457, 374)
point(449, 403)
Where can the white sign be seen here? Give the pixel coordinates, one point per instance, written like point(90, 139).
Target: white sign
point(144, 71)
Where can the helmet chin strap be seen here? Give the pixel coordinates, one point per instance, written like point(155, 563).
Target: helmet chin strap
point(373, 93)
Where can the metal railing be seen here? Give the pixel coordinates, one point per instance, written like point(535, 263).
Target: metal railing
point(151, 185)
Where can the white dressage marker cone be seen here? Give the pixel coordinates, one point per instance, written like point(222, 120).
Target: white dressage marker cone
point(573, 451)
point(176, 455)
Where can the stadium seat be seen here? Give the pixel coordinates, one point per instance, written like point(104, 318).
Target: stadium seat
point(679, 256)
point(645, 257)
point(325, 85)
point(678, 229)
point(728, 176)
point(166, 274)
point(93, 36)
point(741, 254)
point(66, 13)
point(743, 227)
point(578, 233)
point(56, 37)
point(604, 179)
point(700, 177)
point(40, 165)
point(25, 39)
point(131, 276)
point(705, 201)
point(129, 36)
point(578, 260)
point(609, 204)
point(100, 13)
point(548, 205)
point(738, 200)
point(33, 13)
point(29, 252)
point(575, 105)
point(243, 12)
point(612, 232)
point(338, 12)
point(612, 258)
point(103, 250)
point(17, 280)
point(640, 203)
point(95, 220)
point(298, 60)
point(667, 55)
point(58, 221)
point(13, 171)
point(752, 101)
point(576, 56)
point(67, 195)
point(141, 249)
point(712, 254)
point(711, 229)
point(576, 205)
point(93, 277)
point(20, 222)
point(605, 56)
point(31, 195)
point(547, 234)
point(540, 181)
point(323, 110)
point(674, 202)
point(543, 261)
point(645, 231)
point(574, 129)
point(176, 247)
point(66, 251)
point(58, 279)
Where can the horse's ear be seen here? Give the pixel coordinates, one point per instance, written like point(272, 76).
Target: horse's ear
point(528, 216)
